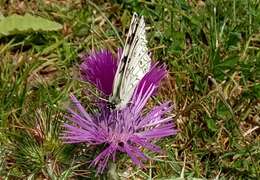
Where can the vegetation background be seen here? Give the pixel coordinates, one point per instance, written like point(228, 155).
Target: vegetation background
point(212, 52)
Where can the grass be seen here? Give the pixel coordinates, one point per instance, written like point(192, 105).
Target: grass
point(212, 52)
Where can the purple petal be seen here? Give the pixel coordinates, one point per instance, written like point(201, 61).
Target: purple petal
point(102, 159)
point(154, 117)
point(132, 154)
point(99, 68)
point(80, 107)
point(141, 97)
point(143, 142)
point(153, 77)
point(159, 132)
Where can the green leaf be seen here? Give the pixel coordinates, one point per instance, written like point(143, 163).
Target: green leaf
point(223, 112)
point(222, 68)
point(16, 24)
point(228, 63)
point(211, 124)
point(256, 90)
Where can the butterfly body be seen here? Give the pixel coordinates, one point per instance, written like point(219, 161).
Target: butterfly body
point(134, 63)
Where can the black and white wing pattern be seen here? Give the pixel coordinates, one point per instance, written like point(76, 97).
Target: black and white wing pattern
point(135, 62)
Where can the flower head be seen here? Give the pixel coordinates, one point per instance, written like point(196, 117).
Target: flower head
point(99, 68)
point(125, 130)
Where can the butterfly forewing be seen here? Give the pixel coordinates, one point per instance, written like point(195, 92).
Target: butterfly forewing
point(134, 64)
point(123, 59)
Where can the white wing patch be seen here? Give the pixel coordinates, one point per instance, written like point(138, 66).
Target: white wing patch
point(135, 62)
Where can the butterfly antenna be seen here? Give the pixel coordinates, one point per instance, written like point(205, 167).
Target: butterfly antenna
point(89, 89)
point(96, 95)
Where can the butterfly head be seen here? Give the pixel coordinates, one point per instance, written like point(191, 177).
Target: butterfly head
point(111, 106)
point(113, 102)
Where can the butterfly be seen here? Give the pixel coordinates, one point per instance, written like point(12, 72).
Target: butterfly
point(134, 63)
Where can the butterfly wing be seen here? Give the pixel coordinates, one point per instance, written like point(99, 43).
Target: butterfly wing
point(135, 62)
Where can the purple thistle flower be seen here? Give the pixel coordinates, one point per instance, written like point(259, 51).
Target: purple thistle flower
point(126, 130)
point(99, 68)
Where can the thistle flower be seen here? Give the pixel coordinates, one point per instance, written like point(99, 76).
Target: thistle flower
point(99, 68)
point(126, 130)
